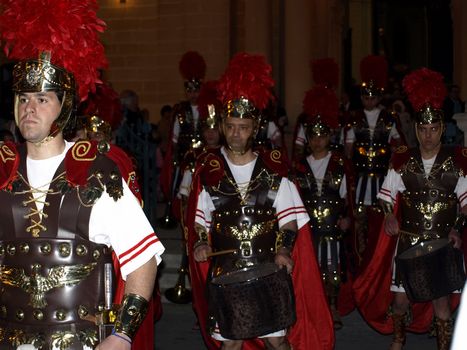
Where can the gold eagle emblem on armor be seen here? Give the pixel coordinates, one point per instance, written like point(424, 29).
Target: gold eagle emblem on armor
point(429, 209)
point(37, 285)
point(320, 214)
point(246, 231)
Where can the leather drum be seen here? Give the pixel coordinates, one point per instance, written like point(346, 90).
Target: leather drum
point(431, 270)
point(253, 301)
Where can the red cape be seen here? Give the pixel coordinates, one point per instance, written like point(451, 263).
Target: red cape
point(373, 296)
point(314, 326)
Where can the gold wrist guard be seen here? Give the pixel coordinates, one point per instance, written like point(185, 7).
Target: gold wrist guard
point(387, 208)
point(202, 234)
point(285, 239)
point(131, 314)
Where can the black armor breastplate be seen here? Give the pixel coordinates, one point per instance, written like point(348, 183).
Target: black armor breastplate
point(324, 206)
point(429, 203)
point(248, 225)
point(372, 154)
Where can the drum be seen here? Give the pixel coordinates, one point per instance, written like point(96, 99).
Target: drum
point(253, 301)
point(431, 269)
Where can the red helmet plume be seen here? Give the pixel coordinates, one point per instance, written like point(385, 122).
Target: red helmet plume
point(248, 80)
point(426, 92)
point(325, 72)
point(374, 74)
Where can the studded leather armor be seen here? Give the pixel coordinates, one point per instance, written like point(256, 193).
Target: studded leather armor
point(324, 206)
point(51, 274)
point(429, 204)
point(371, 153)
point(189, 136)
point(247, 224)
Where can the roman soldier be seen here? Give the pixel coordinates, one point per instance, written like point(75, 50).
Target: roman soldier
point(421, 196)
point(66, 206)
point(325, 72)
point(248, 217)
point(322, 178)
point(185, 131)
point(368, 143)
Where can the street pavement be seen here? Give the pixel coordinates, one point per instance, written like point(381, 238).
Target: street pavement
point(175, 331)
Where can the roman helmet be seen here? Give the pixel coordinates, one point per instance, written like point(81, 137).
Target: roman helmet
point(54, 53)
point(374, 74)
point(209, 106)
point(193, 69)
point(426, 92)
point(245, 89)
point(103, 112)
point(321, 107)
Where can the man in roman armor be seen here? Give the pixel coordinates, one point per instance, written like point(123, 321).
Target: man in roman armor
point(250, 218)
point(322, 180)
point(368, 143)
point(209, 114)
point(66, 206)
point(427, 186)
point(185, 131)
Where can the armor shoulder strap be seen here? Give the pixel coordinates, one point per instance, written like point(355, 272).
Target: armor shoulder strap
point(387, 117)
point(210, 169)
point(180, 109)
point(88, 163)
point(461, 158)
point(400, 157)
point(356, 117)
point(275, 161)
point(9, 162)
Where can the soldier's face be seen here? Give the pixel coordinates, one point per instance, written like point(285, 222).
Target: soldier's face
point(319, 144)
point(237, 132)
point(192, 96)
point(36, 113)
point(211, 136)
point(370, 102)
point(429, 136)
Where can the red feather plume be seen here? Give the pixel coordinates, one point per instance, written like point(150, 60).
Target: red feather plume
point(248, 76)
point(68, 29)
point(104, 103)
point(322, 101)
point(325, 72)
point(374, 68)
point(425, 87)
point(208, 96)
point(192, 66)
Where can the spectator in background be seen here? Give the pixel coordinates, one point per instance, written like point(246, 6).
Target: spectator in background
point(406, 123)
point(164, 127)
point(453, 103)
